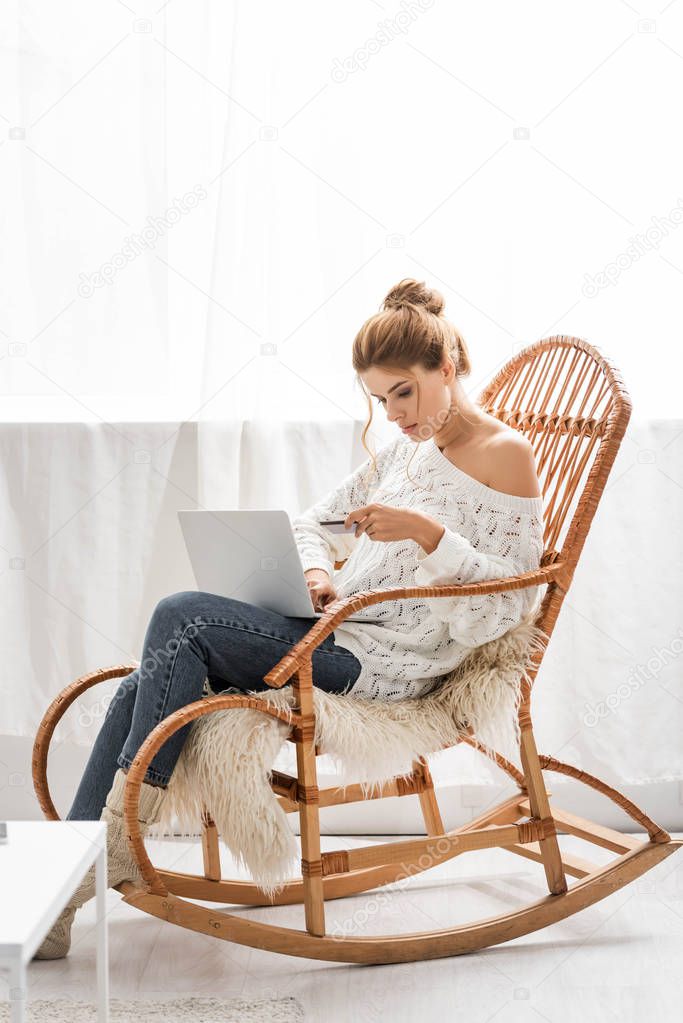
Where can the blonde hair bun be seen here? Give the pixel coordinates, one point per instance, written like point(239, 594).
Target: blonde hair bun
point(415, 293)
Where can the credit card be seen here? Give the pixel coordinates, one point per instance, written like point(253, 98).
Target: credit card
point(337, 526)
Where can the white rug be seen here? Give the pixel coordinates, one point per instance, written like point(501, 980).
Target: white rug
point(192, 1010)
point(227, 760)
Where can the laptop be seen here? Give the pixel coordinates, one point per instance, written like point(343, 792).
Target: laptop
point(251, 555)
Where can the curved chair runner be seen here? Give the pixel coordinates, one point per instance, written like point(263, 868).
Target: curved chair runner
point(568, 399)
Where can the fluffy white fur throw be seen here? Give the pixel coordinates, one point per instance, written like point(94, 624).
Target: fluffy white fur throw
point(226, 761)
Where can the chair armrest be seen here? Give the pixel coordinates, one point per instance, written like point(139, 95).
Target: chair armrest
point(340, 609)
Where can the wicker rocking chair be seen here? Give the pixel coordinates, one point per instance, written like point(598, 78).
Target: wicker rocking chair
point(570, 401)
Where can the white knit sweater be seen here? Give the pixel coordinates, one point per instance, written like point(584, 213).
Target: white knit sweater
point(488, 535)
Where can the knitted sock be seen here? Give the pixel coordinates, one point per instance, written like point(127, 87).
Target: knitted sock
point(120, 863)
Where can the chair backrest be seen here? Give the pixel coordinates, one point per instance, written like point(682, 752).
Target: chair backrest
point(570, 401)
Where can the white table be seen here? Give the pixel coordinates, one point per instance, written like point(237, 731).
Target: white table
point(41, 865)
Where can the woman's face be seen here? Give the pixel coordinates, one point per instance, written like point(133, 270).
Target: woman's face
point(396, 392)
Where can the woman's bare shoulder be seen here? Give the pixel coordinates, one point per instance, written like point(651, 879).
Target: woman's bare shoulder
point(512, 464)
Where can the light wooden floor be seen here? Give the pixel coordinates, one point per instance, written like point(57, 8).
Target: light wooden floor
point(621, 959)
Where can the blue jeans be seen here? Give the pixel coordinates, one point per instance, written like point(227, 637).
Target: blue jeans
point(192, 636)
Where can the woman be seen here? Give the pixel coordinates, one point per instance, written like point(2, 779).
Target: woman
point(469, 510)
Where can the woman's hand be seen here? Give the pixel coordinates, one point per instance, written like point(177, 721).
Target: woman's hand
point(320, 587)
point(382, 522)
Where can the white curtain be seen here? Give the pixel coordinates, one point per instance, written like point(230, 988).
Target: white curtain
point(84, 573)
point(204, 202)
